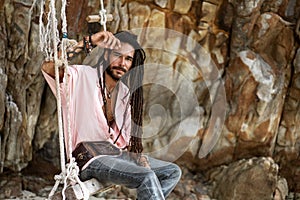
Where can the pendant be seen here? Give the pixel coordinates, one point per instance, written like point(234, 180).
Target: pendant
point(108, 93)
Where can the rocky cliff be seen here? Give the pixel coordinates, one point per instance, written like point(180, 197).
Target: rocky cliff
point(221, 88)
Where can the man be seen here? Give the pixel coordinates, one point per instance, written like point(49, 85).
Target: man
point(106, 104)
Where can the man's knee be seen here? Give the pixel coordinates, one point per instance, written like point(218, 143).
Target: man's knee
point(149, 178)
point(150, 175)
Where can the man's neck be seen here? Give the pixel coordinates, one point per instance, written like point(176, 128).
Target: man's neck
point(109, 82)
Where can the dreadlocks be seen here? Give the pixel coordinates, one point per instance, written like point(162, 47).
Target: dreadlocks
point(134, 80)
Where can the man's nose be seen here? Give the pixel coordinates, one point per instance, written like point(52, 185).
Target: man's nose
point(123, 61)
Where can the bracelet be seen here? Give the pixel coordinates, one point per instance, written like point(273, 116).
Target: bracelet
point(87, 44)
point(87, 47)
point(91, 42)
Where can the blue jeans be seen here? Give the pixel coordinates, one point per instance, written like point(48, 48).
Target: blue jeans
point(151, 184)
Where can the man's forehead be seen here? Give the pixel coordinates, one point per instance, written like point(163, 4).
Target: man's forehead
point(125, 49)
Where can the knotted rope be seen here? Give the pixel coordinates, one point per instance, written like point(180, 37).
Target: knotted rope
point(49, 40)
point(102, 14)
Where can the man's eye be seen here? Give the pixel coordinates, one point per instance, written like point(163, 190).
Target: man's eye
point(129, 59)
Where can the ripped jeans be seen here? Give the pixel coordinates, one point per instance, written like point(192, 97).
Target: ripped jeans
point(151, 184)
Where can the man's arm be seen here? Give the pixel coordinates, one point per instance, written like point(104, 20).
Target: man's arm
point(103, 39)
point(49, 68)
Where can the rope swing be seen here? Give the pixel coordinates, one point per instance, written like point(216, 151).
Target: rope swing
point(49, 41)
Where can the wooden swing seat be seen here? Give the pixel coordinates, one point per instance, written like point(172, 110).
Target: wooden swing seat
point(93, 186)
point(75, 191)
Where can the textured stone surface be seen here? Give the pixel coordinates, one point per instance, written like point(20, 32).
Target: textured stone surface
point(221, 82)
point(182, 6)
point(24, 84)
point(256, 178)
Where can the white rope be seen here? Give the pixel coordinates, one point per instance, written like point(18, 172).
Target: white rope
point(58, 95)
point(57, 81)
point(46, 36)
point(58, 179)
point(72, 175)
point(49, 40)
point(64, 18)
point(72, 170)
point(65, 45)
point(42, 28)
point(102, 14)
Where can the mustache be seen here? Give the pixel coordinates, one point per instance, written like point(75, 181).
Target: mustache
point(119, 68)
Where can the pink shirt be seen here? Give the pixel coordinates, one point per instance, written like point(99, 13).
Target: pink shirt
point(87, 119)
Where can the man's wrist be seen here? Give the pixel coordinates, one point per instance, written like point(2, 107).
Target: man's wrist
point(87, 44)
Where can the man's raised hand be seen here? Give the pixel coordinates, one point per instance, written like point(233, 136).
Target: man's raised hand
point(106, 39)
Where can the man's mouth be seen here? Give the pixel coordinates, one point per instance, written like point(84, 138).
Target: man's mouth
point(119, 68)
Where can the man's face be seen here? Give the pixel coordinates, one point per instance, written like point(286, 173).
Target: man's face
point(120, 60)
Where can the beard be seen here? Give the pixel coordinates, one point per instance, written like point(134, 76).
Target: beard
point(110, 70)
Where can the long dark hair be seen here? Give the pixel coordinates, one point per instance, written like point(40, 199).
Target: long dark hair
point(134, 81)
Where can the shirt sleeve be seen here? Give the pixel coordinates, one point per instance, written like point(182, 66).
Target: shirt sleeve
point(51, 82)
point(72, 73)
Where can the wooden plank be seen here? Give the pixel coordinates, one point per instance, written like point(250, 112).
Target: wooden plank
point(96, 18)
point(93, 186)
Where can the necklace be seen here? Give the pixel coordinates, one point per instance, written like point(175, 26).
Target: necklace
point(108, 92)
point(102, 83)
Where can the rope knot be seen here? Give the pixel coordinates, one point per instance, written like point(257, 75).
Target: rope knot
point(59, 177)
point(103, 17)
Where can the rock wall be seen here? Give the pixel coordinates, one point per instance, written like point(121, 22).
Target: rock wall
point(221, 80)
